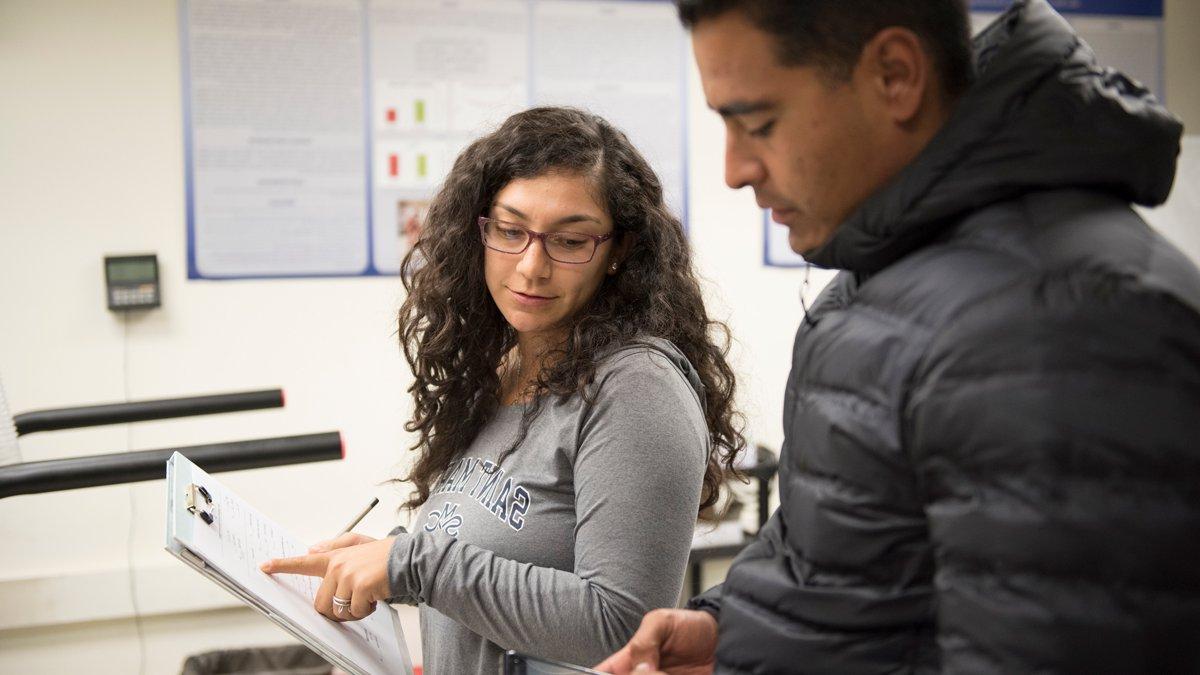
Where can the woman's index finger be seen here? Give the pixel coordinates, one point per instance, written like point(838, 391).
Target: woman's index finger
point(313, 565)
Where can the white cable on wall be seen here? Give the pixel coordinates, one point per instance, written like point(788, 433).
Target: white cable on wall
point(129, 540)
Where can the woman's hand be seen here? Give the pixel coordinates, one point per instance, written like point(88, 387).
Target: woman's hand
point(343, 541)
point(675, 641)
point(354, 572)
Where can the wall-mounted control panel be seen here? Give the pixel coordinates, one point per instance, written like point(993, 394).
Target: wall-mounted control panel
point(132, 281)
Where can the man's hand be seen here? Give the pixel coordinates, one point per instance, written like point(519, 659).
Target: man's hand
point(356, 572)
point(673, 641)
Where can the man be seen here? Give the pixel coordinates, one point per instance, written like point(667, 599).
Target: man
point(992, 424)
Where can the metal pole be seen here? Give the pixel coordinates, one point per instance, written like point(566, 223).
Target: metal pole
point(130, 467)
point(141, 411)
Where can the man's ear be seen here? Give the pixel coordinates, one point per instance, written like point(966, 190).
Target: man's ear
point(899, 71)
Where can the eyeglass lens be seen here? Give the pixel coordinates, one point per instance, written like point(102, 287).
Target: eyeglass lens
point(566, 247)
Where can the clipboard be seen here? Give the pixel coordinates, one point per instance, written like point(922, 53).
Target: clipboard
point(223, 538)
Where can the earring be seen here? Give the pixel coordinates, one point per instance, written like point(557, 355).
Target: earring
point(612, 267)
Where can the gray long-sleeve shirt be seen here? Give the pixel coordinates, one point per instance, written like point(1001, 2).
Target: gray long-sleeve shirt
point(586, 527)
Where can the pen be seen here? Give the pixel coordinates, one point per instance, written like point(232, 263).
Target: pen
point(362, 514)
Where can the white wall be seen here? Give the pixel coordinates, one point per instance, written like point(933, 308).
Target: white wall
point(91, 163)
point(1183, 54)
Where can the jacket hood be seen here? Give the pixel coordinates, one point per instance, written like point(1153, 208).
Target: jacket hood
point(1041, 115)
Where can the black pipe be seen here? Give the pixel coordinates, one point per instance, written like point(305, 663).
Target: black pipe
point(141, 411)
point(764, 469)
point(130, 467)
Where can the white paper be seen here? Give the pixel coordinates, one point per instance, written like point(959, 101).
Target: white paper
point(238, 540)
point(443, 73)
point(274, 95)
point(317, 131)
point(624, 61)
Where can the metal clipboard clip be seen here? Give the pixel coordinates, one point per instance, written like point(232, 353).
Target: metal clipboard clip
point(199, 502)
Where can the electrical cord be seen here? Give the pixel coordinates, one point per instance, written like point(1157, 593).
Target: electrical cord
point(133, 597)
point(803, 290)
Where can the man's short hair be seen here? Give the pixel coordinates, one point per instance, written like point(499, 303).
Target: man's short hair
point(831, 34)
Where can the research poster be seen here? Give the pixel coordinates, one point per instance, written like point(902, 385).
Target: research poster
point(317, 131)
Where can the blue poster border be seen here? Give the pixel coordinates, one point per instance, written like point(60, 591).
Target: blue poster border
point(1125, 8)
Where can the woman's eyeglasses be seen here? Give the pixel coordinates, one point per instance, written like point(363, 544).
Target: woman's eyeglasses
point(572, 248)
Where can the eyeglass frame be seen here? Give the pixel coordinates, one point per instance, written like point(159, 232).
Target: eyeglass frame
point(541, 237)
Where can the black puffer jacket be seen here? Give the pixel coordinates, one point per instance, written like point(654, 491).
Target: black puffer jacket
point(992, 454)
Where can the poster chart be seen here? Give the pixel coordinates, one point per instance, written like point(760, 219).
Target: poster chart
point(1125, 34)
point(317, 131)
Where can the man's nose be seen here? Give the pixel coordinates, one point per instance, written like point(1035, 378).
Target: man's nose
point(534, 263)
point(742, 169)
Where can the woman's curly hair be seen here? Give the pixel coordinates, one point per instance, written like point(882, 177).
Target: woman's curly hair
point(455, 338)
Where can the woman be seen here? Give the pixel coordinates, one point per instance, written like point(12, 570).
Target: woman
point(573, 412)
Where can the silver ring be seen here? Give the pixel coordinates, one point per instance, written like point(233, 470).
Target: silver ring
point(338, 609)
point(340, 602)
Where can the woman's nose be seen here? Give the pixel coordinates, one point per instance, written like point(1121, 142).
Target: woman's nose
point(534, 262)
